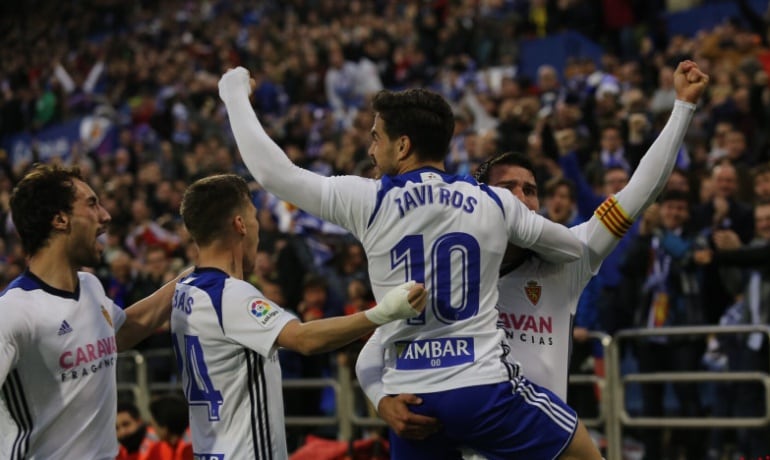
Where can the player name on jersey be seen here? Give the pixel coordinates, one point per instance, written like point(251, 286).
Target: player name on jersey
point(424, 194)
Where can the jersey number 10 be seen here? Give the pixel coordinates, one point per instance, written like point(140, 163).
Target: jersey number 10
point(410, 252)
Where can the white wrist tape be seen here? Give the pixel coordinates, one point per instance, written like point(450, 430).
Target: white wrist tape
point(394, 306)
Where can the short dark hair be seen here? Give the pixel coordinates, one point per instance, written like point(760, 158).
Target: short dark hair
point(209, 202)
point(42, 193)
point(674, 195)
point(760, 169)
point(130, 408)
point(508, 158)
point(553, 185)
point(170, 412)
point(314, 281)
point(422, 115)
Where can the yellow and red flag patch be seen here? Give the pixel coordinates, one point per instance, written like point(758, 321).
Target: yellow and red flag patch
point(613, 217)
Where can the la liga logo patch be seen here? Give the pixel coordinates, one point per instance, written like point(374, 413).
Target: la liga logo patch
point(263, 311)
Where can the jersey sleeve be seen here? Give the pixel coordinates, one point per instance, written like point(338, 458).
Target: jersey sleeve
point(251, 320)
point(527, 229)
point(13, 328)
point(118, 314)
point(370, 367)
point(349, 202)
point(654, 169)
point(9, 354)
point(615, 216)
point(340, 200)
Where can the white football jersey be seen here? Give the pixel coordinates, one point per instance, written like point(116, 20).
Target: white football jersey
point(224, 332)
point(450, 233)
point(536, 305)
point(57, 370)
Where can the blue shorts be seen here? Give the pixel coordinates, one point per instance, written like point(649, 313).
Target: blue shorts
point(509, 420)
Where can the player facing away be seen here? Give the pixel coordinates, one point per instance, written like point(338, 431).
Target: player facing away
point(225, 333)
point(60, 333)
point(419, 223)
point(558, 285)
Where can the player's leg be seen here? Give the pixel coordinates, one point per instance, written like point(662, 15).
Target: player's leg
point(435, 447)
point(581, 447)
point(521, 420)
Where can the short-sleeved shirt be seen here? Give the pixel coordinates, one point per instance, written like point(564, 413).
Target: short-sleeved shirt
point(224, 332)
point(57, 370)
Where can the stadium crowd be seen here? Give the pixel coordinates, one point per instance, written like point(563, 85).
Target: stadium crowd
point(151, 68)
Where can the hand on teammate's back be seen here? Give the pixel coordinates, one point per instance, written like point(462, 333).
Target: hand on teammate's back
point(402, 302)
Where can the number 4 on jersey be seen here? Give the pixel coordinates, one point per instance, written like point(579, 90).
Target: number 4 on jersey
point(199, 389)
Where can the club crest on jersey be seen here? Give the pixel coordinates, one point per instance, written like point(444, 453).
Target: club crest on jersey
point(106, 316)
point(533, 291)
point(262, 311)
point(426, 176)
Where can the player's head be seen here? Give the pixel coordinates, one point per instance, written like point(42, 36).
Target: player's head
point(54, 203)
point(170, 417)
point(674, 209)
point(560, 199)
point(411, 122)
point(761, 179)
point(218, 210)
point(129, 426)
point(514, 171)
point(614, 179)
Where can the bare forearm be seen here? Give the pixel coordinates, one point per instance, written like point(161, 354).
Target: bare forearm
point(328, 334)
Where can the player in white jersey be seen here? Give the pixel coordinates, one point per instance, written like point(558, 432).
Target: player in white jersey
point(420, 223)
point(59, 333)
point(538, 299)
point(226, 333)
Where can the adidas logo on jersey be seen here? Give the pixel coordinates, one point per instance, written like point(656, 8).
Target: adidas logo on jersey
point(64, 328)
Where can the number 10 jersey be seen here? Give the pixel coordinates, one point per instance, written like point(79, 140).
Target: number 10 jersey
point(450, 233)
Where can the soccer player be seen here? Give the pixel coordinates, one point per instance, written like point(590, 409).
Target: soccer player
point(419, 223)
point(538, 299)
point(60, 333)
point(225, 333)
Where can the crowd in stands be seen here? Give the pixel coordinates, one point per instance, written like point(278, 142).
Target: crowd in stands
point(151, 68)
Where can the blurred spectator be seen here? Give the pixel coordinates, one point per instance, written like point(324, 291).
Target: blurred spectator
point(561, 202)
point(746, 353)
point(121, 280)
point(670, 296)
point(147, 232)
point(349, 265)
point(761, 175)
point(170, 420)
point(135, 437)
point(721, 212)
